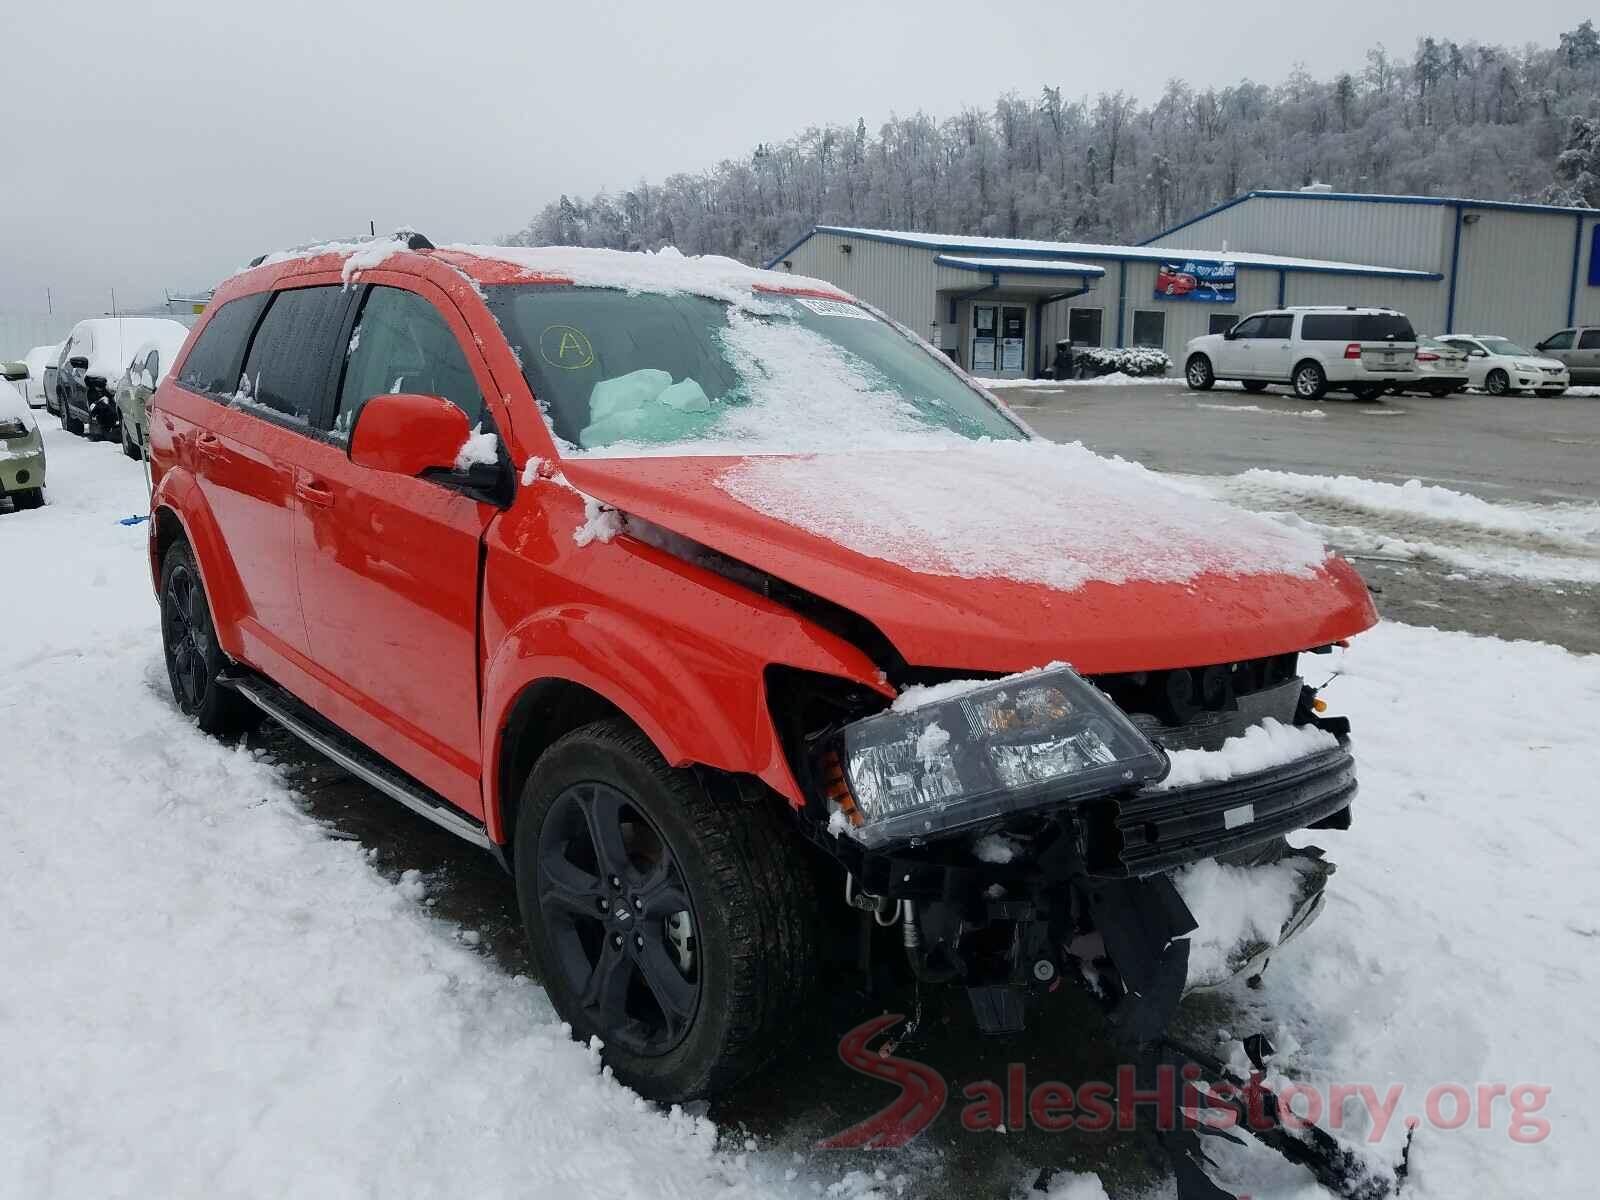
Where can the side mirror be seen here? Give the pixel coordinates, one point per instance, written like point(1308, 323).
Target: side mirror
point(1229, 335)
point(80, 361)
point(14, 372)
point(407, 434)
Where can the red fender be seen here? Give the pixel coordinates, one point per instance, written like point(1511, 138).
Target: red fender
point(697, 701)
point(179, 493)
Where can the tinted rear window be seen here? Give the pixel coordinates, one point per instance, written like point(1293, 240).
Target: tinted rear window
point(293, 352)
point(213, 364)
point(1356, 327)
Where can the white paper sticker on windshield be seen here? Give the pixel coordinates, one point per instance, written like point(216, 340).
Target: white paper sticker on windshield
point(832, 308)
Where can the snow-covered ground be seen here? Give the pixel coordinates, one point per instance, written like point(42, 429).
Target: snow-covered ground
point(1413, 520)
point(204, 993)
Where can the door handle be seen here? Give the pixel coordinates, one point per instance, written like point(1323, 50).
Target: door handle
point(208, 445)
point(314, 491)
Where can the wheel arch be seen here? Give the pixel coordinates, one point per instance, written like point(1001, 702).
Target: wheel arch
point(178, 511)
point(579, 663)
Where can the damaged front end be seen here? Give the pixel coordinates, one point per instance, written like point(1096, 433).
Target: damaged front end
point(1033, 830)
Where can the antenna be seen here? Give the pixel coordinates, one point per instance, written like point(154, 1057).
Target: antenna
point(372, 228)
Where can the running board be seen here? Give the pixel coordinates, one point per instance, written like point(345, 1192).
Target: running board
point(321, 735)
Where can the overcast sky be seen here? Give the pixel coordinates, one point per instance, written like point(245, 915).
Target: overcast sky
point(163, 145)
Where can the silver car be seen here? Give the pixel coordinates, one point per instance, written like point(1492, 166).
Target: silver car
point(1579, 349)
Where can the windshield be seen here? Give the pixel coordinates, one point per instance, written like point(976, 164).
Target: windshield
point(638, 373)
point(1502, 346)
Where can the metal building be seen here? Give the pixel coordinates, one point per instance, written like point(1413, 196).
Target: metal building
point(998, 305)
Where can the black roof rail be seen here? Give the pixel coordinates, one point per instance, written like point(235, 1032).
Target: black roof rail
point(413, 241)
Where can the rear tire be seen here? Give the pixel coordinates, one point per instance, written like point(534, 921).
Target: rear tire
point(1255, 385)
point(69, 422)
point(1367, 392)
point(28, 498)
point(1497, 383)
point(704, 954)
point(1310, 382)
point(194, 656)
point(128, 446)
point(1198, 373)
point(1439, 391)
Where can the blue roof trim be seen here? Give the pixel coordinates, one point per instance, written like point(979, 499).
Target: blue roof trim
point(793, 246)
point(1459, 202)
point(895, 239)
point(1086, 270)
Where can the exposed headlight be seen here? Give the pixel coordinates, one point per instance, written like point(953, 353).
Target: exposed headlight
point(1028, 741)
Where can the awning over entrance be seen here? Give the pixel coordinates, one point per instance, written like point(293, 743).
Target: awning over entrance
point(1020, 266)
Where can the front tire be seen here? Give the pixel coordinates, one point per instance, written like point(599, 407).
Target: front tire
point(1310, 382)
point(1198, 373)
point(28, 498)
point(69, 422)
point(194, 656)
point(675, 928)
point(1367, 392)
point(1497, 383)
point(129, 447)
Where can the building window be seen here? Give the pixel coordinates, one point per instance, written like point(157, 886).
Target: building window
point(1221, 322)
point(1149, 328)
point(1083, 326)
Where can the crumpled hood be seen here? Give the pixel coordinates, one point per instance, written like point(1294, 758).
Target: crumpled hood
point(1003, 556)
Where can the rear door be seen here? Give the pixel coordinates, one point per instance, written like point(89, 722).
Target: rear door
point(247, 456)
point(388, 565)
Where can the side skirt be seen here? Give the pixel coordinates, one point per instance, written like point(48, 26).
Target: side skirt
point(321, 735)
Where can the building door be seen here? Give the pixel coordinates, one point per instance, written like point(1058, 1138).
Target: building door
point(1000, 340)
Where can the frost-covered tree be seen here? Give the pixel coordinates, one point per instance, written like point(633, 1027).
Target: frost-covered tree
point(1511, 123)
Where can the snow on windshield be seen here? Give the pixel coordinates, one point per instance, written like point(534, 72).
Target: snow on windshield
point(1033, 512)
point(793, 389)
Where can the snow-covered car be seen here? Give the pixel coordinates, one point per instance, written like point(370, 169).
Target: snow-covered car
point(144, 373)
point(1441, 369)
point(40, 359)
point(94, 356)
point(1501, 367)
point(733, 622)
point(21, 450)
point(1365, 351)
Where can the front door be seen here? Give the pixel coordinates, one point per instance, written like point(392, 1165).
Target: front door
point(999, 340)
point(388, 565)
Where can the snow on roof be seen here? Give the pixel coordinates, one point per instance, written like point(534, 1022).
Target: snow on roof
point(1026, 248)
point(662, 271)
point(1041, 266)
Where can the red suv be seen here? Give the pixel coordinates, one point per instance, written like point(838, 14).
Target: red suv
point(735, 622)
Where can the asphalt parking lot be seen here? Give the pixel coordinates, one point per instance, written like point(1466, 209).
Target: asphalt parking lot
point(1519, 450)
point(1539, 451)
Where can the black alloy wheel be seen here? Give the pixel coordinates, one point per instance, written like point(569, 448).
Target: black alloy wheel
point(619, 918)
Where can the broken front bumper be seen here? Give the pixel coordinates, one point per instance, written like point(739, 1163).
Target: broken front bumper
point(1154, 831)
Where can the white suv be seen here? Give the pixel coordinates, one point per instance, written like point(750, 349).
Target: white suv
point(1362, 350)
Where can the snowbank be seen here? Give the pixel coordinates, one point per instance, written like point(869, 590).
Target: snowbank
point(1234, 907)
point(1034, 512)
point(1437, 503)
point(1115, 379)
